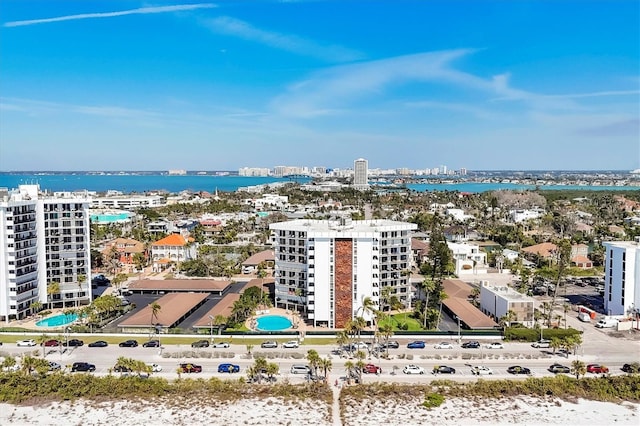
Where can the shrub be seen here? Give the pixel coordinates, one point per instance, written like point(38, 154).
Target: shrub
point(533, 335)
point(433, 400)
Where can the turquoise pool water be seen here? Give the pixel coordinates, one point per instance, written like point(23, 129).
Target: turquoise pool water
point(273, 323)
point(57, 320)
point(110, 218)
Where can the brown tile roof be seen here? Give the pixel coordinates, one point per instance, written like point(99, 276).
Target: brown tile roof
point(469, 314)
point(172, 308)
point(263, 256)
point(257, 282)
point(580, 259)
point(456, 288)
point(171, 240)
point(223, 307)
point(125, 245)
point(417, 244)
point(180, 285)
point(543, 249)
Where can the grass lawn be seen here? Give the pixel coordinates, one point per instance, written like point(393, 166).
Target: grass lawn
point(405, 318)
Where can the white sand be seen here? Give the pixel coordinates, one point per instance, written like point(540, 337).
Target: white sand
point(273, 411)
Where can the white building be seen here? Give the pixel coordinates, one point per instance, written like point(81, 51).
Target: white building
point(126, 202)
point(522, 215)
point(360, 174)
point(622, 278)
point(326, 268)
point(468, 258)
point(497, 300)
point(43, 239)
point(268, 202)
point(172, 249)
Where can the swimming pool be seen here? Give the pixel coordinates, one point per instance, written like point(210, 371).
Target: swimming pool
point(110, 218)
point(273, 323)
point(57, 320)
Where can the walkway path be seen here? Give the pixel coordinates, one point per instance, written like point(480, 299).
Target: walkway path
point(335, 407)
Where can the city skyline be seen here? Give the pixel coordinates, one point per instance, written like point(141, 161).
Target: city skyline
point(481, 85)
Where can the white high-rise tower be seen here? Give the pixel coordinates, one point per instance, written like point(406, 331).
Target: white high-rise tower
point(360, 174)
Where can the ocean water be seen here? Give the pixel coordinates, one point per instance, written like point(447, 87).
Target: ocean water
point(141, 183)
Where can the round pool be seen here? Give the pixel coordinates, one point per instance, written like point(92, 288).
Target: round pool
point(57, 320)
point(273, 323)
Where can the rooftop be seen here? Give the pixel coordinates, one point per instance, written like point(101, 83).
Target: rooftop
point(223, 307)
point(173, 307)
point(198, 285)
point(343, 225)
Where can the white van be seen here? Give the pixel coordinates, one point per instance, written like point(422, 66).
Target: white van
point(300, 369)
point(607, 323)
point(541, 344)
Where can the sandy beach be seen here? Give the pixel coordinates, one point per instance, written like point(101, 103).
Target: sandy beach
point(275, 411)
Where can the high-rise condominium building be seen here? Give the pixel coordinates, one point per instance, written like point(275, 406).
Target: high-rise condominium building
point(326, 268)
point(360, 174)
point(44, 239)
point(622, 278)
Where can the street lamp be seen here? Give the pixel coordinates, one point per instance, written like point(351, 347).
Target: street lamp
point(210, 329)
point(459, 334)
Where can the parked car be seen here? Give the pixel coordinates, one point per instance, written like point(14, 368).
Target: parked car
point(73, 343)
point(418, 344)
point(27, 342)
point(200, 344)
point(634, 367)
point(413, 369)
point(190, 368)
point(269, 344)
point(597, 369)
point(151, 344)
point(391, 344)
point(443, 369)
point(495, 345)
point(128, 344)
point(54, 366)
point(52, 342)
point(100, 280)
point(471, 345)
point(82, 366)
point(221, 345)
point(371, 369)
point(559, 368)
point(228, 368)
point(291, 344)
point(155, 368)
point(481, 370)
point(543, 343)
point(516, 369)
point(444, 345)
point(98, 344)
point(300, 369)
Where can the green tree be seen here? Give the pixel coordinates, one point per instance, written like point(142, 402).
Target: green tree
point(53, 288)
point(81, 280)
point(325, 365)
point(314, 360)
point(578, 368)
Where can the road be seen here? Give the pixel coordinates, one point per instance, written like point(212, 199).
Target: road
point(600, 347)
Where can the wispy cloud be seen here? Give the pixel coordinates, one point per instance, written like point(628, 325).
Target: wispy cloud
point(140, 11)
point(290, 43)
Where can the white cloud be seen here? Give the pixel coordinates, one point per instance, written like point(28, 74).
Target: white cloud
point(140, 11)
point(290, 43)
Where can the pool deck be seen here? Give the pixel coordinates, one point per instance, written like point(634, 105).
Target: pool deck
point(294, 317)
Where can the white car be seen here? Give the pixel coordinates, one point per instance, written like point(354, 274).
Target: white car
point(220, 345)
point(413, 369)
point(156, 368)
point(481, 370)
point(28, 342)
point(443, 345)
point(290, 344)
point(495, 345)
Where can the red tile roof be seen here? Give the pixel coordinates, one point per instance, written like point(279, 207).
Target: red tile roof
point(171, 240)
point(263, 256)
point(172, 308)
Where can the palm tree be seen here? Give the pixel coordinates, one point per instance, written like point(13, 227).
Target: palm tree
point(219, 321)
point(155, 309)
point(52, 288)
point(566, 308)
point(325, 364)
point(386, 331)
point(81, 280)
point(578, 368)
point(35, 307)
point(349, 367)
point(428, 286)
point(342, 338)
point(360, 356)
point(272, 370)
point(314, 360)
point(555, 343)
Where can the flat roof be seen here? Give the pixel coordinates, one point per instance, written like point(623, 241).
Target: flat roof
point(223, 307)
point(473, 317)
point(180, 285)
point(173, 307)
point(356, 226)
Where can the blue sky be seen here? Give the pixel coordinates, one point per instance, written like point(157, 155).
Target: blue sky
point(485, 85)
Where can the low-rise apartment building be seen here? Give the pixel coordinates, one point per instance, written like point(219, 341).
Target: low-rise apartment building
point(497, 300)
